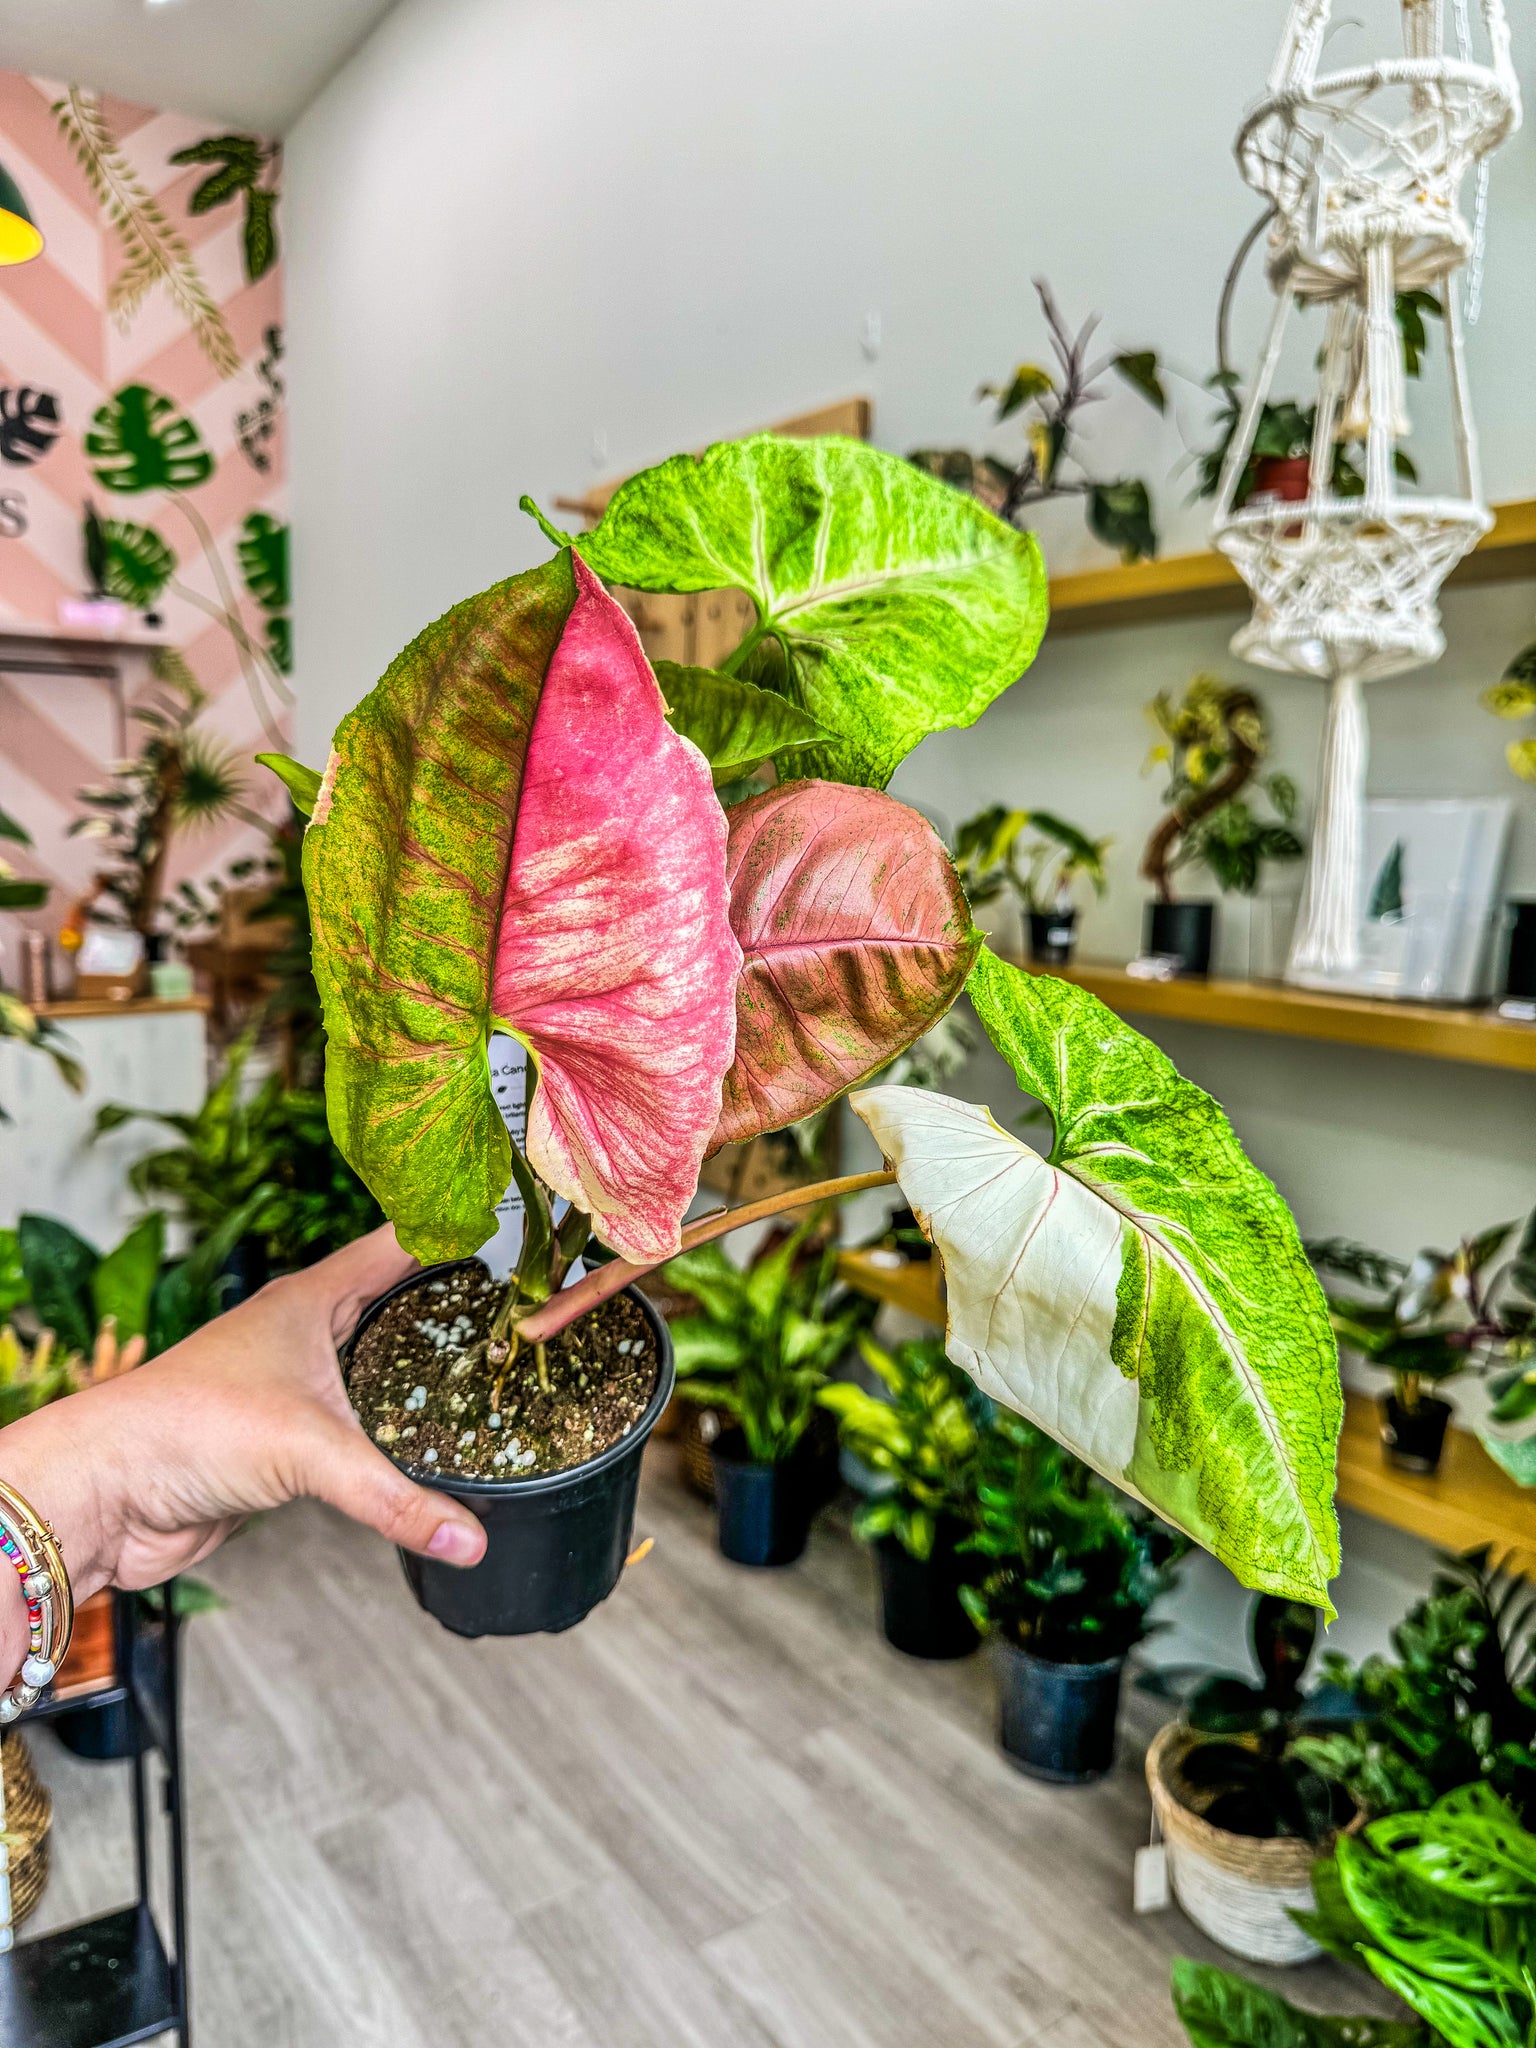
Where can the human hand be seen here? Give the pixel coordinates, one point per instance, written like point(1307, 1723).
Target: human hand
point(143, 1475)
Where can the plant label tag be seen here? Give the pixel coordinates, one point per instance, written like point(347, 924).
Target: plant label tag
point(508, 1060)
point(1149, 1879)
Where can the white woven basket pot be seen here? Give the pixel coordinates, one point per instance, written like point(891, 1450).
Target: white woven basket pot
point(1237, 1890)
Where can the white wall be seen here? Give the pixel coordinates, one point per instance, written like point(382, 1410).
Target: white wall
point(534, 243)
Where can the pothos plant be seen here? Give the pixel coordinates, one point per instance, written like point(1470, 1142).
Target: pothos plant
point(518, 832)
point(1213, 741)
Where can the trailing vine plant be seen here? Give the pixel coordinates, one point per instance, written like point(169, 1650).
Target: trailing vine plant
point(517, 831)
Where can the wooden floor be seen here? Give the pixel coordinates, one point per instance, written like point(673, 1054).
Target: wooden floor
point(720, 1814)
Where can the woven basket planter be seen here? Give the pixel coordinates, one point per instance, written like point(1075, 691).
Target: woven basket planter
point(1235, 1888)
point(23, 1837)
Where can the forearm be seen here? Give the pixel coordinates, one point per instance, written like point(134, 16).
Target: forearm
point(36, 1459)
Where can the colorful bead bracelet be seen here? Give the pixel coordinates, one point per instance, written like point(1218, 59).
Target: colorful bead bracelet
point(28, 1545)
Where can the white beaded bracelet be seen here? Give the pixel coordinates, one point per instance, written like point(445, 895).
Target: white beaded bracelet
point(28, 1544)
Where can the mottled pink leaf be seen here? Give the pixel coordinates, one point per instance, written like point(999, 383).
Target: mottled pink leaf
point(509, 833)
point(856, 937)
point(615, 960)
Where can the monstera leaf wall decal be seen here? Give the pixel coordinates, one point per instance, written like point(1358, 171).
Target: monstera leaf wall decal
point(29, 423)
point(138, 441)
point(509, 834)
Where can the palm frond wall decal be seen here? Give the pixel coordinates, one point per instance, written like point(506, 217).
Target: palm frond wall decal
point(154, 251)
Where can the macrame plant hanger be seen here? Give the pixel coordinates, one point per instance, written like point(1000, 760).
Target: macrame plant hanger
point(1363, 171)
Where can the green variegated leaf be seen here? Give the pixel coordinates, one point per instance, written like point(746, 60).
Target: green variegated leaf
point(889, 606)
point(734, 725)
point(1142, 1294)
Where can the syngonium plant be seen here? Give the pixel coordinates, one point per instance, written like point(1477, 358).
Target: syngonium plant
point(517, 832)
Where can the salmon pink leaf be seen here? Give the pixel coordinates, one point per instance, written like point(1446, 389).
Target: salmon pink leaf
point(856, 937)
point(508, 835)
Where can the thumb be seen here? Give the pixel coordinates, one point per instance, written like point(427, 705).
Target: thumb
point(344, 1468)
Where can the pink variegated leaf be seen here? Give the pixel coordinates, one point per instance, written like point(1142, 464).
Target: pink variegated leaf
point(510, 836)
point(856, 938)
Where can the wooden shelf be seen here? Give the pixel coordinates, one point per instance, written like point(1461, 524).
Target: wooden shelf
point(1190, 586)
point(137, 1006)
point(1473, 1037)
point(1469, 1501)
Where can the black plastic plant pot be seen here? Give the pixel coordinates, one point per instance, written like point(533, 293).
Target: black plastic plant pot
point(104, 1734)
point(1057, 1721)
point(920, 1607)
point(1413, 1438)
point(556, 1541)
point(1052, 935)
point(1185, 930)
point(763, 1512)
point(1520, 969)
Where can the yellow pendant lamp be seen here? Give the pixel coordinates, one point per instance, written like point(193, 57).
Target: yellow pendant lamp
point(20, 239)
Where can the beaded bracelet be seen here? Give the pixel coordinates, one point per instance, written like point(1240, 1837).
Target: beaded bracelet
point(28, 1544)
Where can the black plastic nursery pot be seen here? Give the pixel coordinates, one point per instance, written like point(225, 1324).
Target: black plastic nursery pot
point(1057, 1721)
point(1413, 1438)
point(100, 1734)
point(763, 1513)
point(1185, 930)
point(920, 1609)
point(1052, 935)
point(556, 1541)
point(1520, 967)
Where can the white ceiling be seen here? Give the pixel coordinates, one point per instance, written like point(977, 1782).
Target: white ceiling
point(252, 62)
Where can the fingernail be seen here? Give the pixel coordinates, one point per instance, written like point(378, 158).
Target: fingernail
point(455, 1544)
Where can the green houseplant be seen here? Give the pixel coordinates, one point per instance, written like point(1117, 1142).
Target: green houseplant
point(268, 1153)
point(1445, 1314)
point(758, 1351)
point(1242, 1807)
point(1069, 1570)
point(1439, 1907)
point(1454, 1705)
point(1213, 740)
point(1040, 872)
point(921, 1441)
point(1046, 403)
point(516, 833)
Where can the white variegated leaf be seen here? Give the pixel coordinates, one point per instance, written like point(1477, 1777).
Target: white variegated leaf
point(1141, 1294)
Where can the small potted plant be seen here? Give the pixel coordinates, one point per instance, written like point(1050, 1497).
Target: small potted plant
point(1070, 1570)
point(1453, 1705)
point(1444, 1315)
point(1241, 1806)
point(758, 1353)
point(517, 834)
point(1213, 741)
point(921, 1441)
point(1040, 872)
point(1046, 403)
point(1436, 1905)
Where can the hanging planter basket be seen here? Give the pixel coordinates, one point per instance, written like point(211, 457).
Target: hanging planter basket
point(1238, 1889)
point(1363, 172)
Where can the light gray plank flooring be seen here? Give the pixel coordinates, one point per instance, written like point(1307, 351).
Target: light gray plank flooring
point(720, 1814)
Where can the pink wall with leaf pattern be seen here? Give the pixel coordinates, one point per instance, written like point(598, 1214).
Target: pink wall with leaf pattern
point(137, 287)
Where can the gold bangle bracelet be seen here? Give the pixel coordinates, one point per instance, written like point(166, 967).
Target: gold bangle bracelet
point(29, 1546)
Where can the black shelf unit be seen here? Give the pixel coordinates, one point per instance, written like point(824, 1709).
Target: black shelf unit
point(111, 1981)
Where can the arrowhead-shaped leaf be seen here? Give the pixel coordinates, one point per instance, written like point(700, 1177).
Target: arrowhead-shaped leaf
point(509, 834)
point(735, 725)
point(1142, 1294)
point(855, 936)
point(889, 605)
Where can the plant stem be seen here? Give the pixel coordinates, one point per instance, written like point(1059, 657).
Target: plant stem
point(607, 1281)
